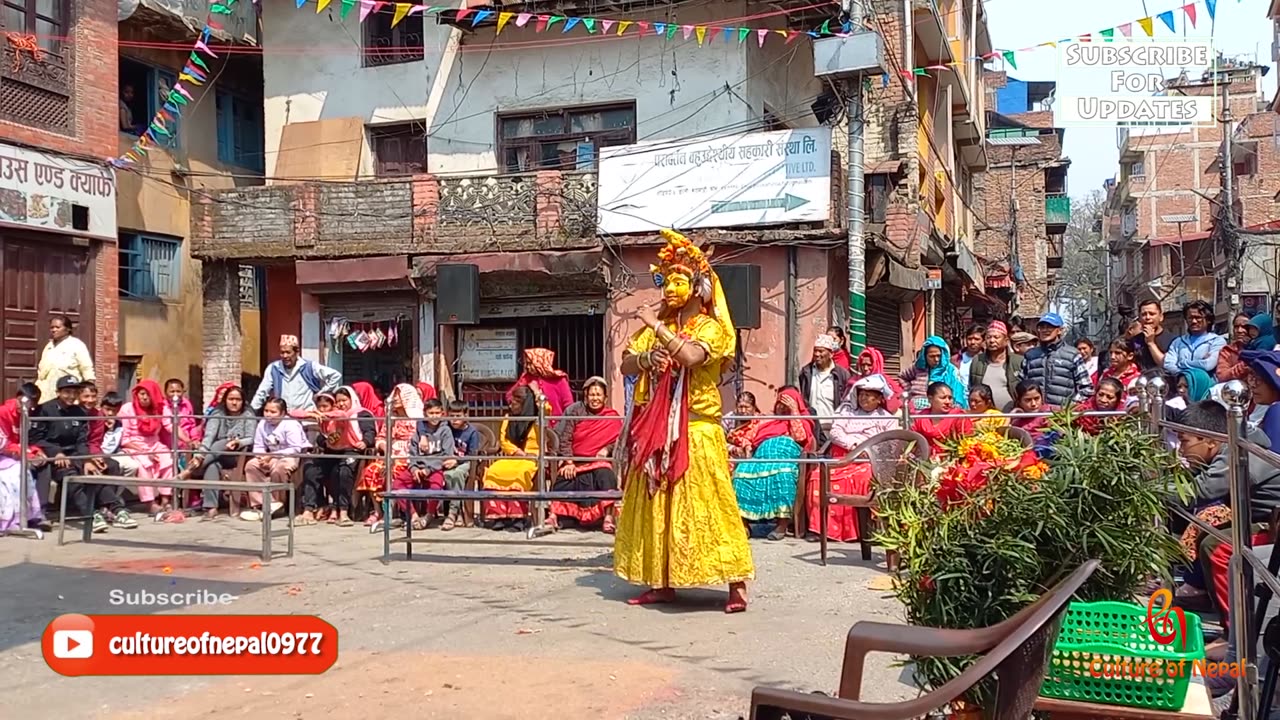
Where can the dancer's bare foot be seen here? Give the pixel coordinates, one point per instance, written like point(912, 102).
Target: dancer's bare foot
point(737, 598)
point(656, 596)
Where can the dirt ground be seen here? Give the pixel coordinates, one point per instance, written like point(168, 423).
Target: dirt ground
point(477, 625)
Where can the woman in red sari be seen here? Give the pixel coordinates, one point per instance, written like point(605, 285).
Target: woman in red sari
point(590, 430)
point(861, 417)
point(934, 424)
point(765, 485)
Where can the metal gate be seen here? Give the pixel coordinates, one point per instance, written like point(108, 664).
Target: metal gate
point(884, 331)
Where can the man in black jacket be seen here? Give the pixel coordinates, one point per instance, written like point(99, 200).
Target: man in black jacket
point(64, 437)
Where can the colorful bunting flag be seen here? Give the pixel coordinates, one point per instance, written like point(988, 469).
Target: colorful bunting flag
point(1190, 10)
point(202, 47)
point(743, 33)
point(346, 8)
point(1108, 34)
point(481, 16)
point(761, 35)
point(1166, 17)
point(671, 30)
point(622, 26)
point(1212, 7)
point(1126, 29)
point(569, 23)
point(606, 25)
point(321, 5)
point(1145, 23)
point(1008, 57)
point(503, 19)
point(589, 24)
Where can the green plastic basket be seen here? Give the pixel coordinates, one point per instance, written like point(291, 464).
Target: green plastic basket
point(1098, 638)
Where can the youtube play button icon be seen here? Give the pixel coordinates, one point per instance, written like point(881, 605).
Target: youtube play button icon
point(68, 643)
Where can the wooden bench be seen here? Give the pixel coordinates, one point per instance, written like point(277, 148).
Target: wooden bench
point(415, 495)
point(229, 485)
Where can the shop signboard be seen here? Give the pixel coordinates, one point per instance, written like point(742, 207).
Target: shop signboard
point(747, 179)
point(54, 192)
point(488, 354)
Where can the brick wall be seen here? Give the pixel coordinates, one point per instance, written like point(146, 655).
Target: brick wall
point(992, 245)
point(91, 52)
point(220, 282)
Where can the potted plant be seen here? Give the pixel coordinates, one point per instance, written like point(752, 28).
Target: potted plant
point(993, 528)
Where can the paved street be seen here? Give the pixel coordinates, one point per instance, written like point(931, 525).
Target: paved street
point(479, 625)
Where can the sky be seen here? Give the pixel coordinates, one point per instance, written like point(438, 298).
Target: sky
point(1241, 30)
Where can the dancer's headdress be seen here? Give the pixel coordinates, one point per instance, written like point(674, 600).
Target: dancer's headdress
point(681, 255)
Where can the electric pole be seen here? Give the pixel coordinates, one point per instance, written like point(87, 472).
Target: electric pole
point(857, 202)
point(1231, 243)
point(847, 60)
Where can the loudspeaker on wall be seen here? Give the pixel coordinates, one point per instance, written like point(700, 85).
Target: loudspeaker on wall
point(457, 294)
point(742, 292)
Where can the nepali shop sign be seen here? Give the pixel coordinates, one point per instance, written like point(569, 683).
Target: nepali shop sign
point(54, 192)
point(746, 179)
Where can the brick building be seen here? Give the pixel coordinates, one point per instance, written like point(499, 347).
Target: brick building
point(1162, 204)
point(1026, 181)
point(58, 100)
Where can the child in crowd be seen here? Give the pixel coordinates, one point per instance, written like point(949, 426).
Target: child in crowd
point(982, 400)
point(112, 431)
point(112, 509)
point(276, 445)
point(466, 445)
point(432, 447)
point(1124, 366)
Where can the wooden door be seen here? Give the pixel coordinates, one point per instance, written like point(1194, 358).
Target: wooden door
point(41, 278)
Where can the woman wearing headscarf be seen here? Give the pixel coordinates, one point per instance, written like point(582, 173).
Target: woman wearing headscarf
point(766, 484)
point(540, 374)
point(861, 417)
point(518, 438)
point(367, 398)
point(840, 355)
point(871, 362)
point(146, 436)
point(406, 411)
point(933, 365)
point(426, 391)
point(1189, 387)
point(590, 430)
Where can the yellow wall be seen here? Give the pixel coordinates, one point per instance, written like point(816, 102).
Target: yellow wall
point(154, 197)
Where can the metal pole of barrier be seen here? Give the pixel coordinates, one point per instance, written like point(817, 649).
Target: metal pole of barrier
point(540, 506)
point(1155, 389)
point(24, 469)
point(175, 404)
point(1237, 397)
point(1140, 389)
point(387, 459)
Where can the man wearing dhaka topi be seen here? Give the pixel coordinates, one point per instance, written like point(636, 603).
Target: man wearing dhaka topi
point(680, 526)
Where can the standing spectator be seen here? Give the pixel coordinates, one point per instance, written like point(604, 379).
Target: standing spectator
point(546, 381)
point(1055, 366)
point(1229, 365)
point(932, 366)
point(1089, 353)
point(822, 382)
point(974, 339)
point(841, 356)
point(996, 367)
point(1150, 340)
point(1022, 341)
point(293, 379)
point(1200, 347)
point(63, 355)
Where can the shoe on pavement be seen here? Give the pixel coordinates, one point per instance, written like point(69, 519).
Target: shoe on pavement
point(99, 523)
point(124, 520)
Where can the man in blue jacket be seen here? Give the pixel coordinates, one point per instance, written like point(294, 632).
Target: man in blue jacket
point(1055, 366)
point(1199, 348)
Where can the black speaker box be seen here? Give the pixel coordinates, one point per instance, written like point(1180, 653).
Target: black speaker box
point(742, 291)
point(457, 294)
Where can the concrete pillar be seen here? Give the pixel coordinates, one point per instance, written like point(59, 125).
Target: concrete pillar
point(220, 282)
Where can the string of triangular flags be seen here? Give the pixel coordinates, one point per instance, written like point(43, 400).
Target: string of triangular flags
point(1147, 25)
point(195, 72)
point(543, 22)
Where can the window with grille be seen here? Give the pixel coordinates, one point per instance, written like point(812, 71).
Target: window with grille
point(240, 134)
point(399, 150)
point(149, 266)
point(46, 19)
point(386, 45)
point(251, 281)
point(568, 139)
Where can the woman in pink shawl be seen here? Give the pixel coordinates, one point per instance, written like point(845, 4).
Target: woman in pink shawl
point(146, 437)
point(541, 375)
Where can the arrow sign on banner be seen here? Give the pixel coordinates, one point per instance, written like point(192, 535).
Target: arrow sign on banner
point(787, 202)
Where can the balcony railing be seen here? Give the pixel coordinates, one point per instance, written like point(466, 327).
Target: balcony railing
point(1053, 252)
point(1057, 209)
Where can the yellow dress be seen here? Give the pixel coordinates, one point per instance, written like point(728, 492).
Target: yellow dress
point(513, 473)
point(690, 534)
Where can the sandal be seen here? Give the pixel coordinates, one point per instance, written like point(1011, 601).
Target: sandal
point(737, 599)
point(420, 523)
point(303, 521)
point(776, 535)
point(656, 596)
point(343, 522)
point(448, 524)
point(609, 527)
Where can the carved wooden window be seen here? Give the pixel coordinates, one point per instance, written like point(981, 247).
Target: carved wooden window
point(34, 86)
point(567, 139)
point(386, 45)
point(399, 150)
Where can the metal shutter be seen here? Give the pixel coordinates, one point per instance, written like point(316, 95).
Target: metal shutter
point(884, 331)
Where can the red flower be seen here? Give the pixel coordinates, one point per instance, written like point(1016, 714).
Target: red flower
point(926, 583)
